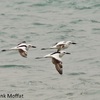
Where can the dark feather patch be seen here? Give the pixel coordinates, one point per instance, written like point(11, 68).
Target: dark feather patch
point(58, 65)
point(55, 52)
point(22, 42)
point(22, 53)
point(23, 46)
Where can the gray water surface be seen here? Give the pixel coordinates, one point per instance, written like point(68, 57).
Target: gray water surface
point(42, 23)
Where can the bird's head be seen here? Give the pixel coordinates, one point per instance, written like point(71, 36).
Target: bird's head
point(70, 42)
point(62, 53)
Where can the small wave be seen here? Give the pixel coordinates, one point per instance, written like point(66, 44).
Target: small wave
point(21, 2)
point(70, 94)
point(79, 73)
point(76, 21)
point(95, 21)
point(96, 29)
point(9, 66)
point(38, 23)
point(38, 4)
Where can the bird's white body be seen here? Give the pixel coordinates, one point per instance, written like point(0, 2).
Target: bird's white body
point(56, 56)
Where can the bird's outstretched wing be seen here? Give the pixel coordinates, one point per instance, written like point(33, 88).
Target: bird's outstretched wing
point(58, 65)
point(23, 50)
point(22, 53)
point(60, 46)
point(22, 42)
point(58, 43)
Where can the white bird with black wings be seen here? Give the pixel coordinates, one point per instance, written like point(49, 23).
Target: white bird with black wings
point(22, 48)
point(60, 45)
point(56, 59)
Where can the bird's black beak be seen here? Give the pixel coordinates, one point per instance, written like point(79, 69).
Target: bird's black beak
point(33, 46)
point(68, 53)
point(74, 43)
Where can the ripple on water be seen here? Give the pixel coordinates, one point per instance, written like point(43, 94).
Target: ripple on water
point(75, 73)
point(10, 66)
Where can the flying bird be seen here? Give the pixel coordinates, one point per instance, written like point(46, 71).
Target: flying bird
point(60, 45)
point(22, 48)
point(56, 60)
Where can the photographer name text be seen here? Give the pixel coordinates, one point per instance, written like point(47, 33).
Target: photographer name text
point(10, 95)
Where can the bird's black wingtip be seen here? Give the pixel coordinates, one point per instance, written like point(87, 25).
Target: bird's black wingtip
point(3, 50)
point(60, 73)
point(23, 42)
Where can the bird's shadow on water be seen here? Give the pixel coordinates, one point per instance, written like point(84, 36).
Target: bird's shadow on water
point(13, 66)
